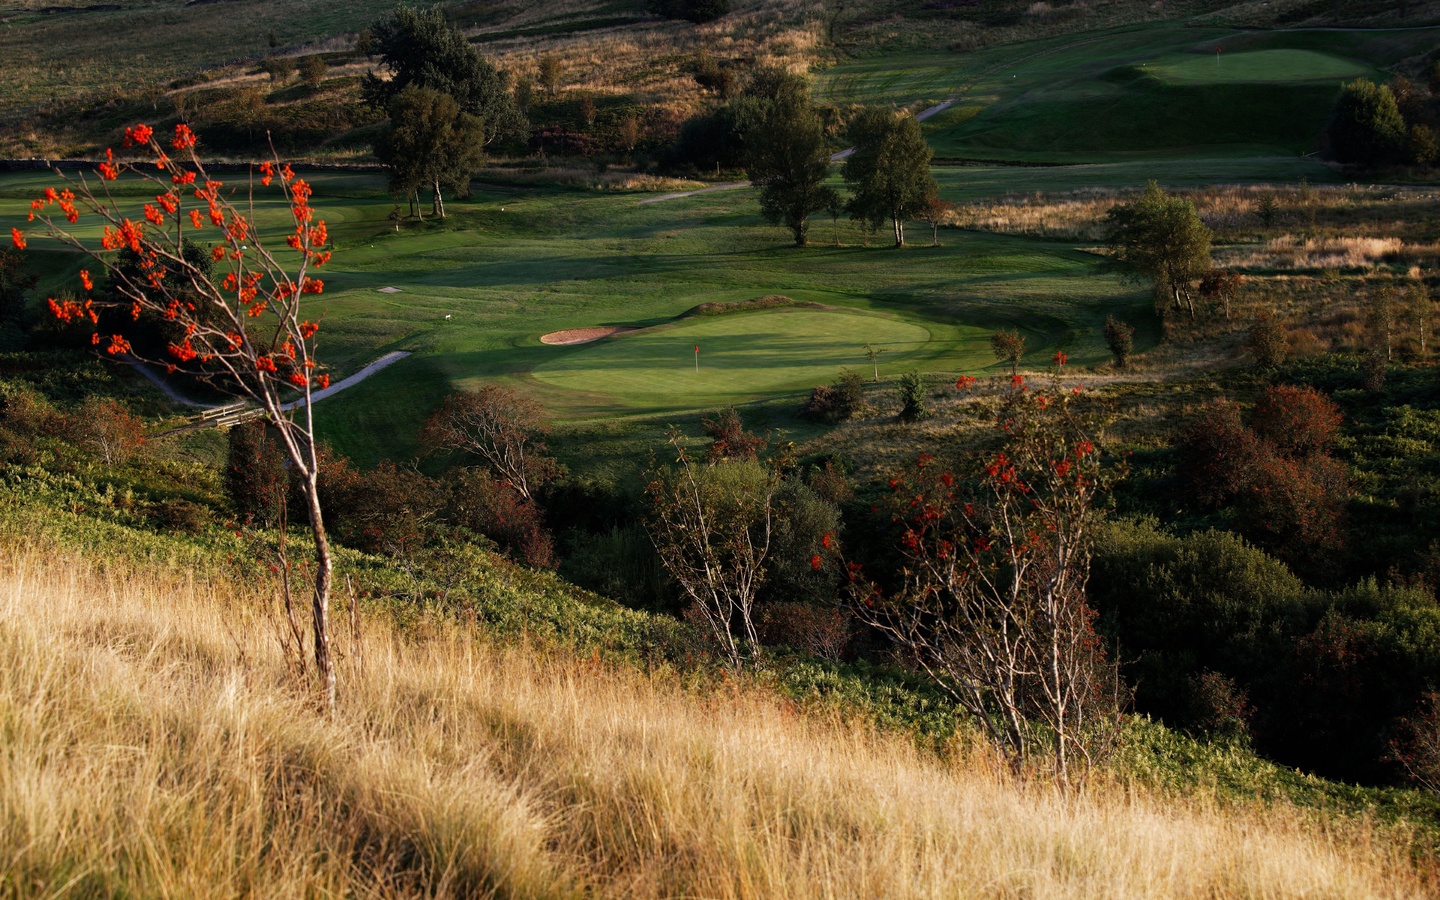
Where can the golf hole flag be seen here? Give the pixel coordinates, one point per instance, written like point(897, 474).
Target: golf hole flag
point(697, 357)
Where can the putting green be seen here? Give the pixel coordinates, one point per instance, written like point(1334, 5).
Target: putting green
point(1273, 66)
point(742, 356)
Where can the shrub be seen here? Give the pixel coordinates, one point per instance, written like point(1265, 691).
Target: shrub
point(1267, 340)
point(729, 439)
point(1120, 338)
point(912, 397)
point(105, 427)
point(1298, 421)
point(1218, 708)
point(1008, 347)
point(1217, 454)
point(385, 510)
point(484, 505)
point(820, 631)
point(836, 402)
point(179, 514)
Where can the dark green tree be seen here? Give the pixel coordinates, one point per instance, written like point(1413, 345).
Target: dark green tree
point(889, 171)
point(1120, 338)
point(1160, 238)
point(912, 397)
point(254, 478)
point(430, 143)
point(1367, 128)
point(786, 158)
point(420, 48)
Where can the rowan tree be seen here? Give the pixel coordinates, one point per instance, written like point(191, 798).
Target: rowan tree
point(935, 212)
point(889, 172)
point(249, 334)
point(500, 426)
point(279, 68)
point(992, 604)
point(1160, 239)
point(1419, 307)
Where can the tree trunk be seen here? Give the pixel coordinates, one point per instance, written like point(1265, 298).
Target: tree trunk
point(935, 233)
point(320, 601)
point(439, 207)
point(800, 239)
point(899, 231)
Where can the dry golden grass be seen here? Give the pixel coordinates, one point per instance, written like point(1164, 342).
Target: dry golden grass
point(153, 746)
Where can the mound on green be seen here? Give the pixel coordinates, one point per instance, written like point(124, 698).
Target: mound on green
point(741, 357)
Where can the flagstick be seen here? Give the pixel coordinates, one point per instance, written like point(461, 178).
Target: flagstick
point(697, 359)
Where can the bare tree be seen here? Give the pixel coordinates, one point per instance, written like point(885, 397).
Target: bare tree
point(501, 427)
point(249, 335)
point(993, 603)
point(712, 526)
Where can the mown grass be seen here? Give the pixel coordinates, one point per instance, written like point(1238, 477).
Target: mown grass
point(1154, 89)
point(511, 265)
point(156, 745)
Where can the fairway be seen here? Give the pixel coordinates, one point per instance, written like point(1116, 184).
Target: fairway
point(1258, 66)
point(1152, 91)
point(741, 356)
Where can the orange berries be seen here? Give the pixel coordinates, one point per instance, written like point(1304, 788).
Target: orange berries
point(17, 238)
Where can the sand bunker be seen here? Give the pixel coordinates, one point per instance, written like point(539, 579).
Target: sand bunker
point(582, 335)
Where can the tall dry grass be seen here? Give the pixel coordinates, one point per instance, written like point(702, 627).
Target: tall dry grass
point(153, 746)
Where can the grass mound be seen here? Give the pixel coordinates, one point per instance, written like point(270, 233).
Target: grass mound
point(1277, 66)
point(156, 747)
point(722, 308)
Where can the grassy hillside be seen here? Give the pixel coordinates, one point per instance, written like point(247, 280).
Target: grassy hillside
point(157, 746)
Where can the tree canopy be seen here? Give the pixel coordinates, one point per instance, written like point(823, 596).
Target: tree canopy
point(1160, 238)
point(421, 49)
point(889, 171)
point(786, 156)
point(1367, 127)
point(430, 142)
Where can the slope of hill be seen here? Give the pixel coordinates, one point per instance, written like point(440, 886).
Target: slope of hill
point(157, 746)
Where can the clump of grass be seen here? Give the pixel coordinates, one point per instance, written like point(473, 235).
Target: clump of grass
point(155, 746)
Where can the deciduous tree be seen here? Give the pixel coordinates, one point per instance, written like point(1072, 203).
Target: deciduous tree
point(251, 333)
point(430, 142)
point(502, 427)
point(993, 605)
point(889, 172)
point(420, 48)
point(1367, 127)
point(787, 159)
point(1161, 239)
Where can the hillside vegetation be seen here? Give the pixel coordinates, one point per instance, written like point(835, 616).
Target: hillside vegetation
point(157, 746)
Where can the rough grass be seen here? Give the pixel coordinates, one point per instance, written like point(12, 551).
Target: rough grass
point(155, 746)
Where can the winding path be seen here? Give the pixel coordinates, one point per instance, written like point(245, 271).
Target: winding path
point(168, 390)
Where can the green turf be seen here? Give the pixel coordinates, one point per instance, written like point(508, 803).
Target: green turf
point(1255, 66)
point(1152, 91)
point(513, 264)
point(742, 356)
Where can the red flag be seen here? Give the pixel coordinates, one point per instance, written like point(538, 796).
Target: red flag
point(697, 348)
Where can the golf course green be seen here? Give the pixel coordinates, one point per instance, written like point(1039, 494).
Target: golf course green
point(743, 355)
